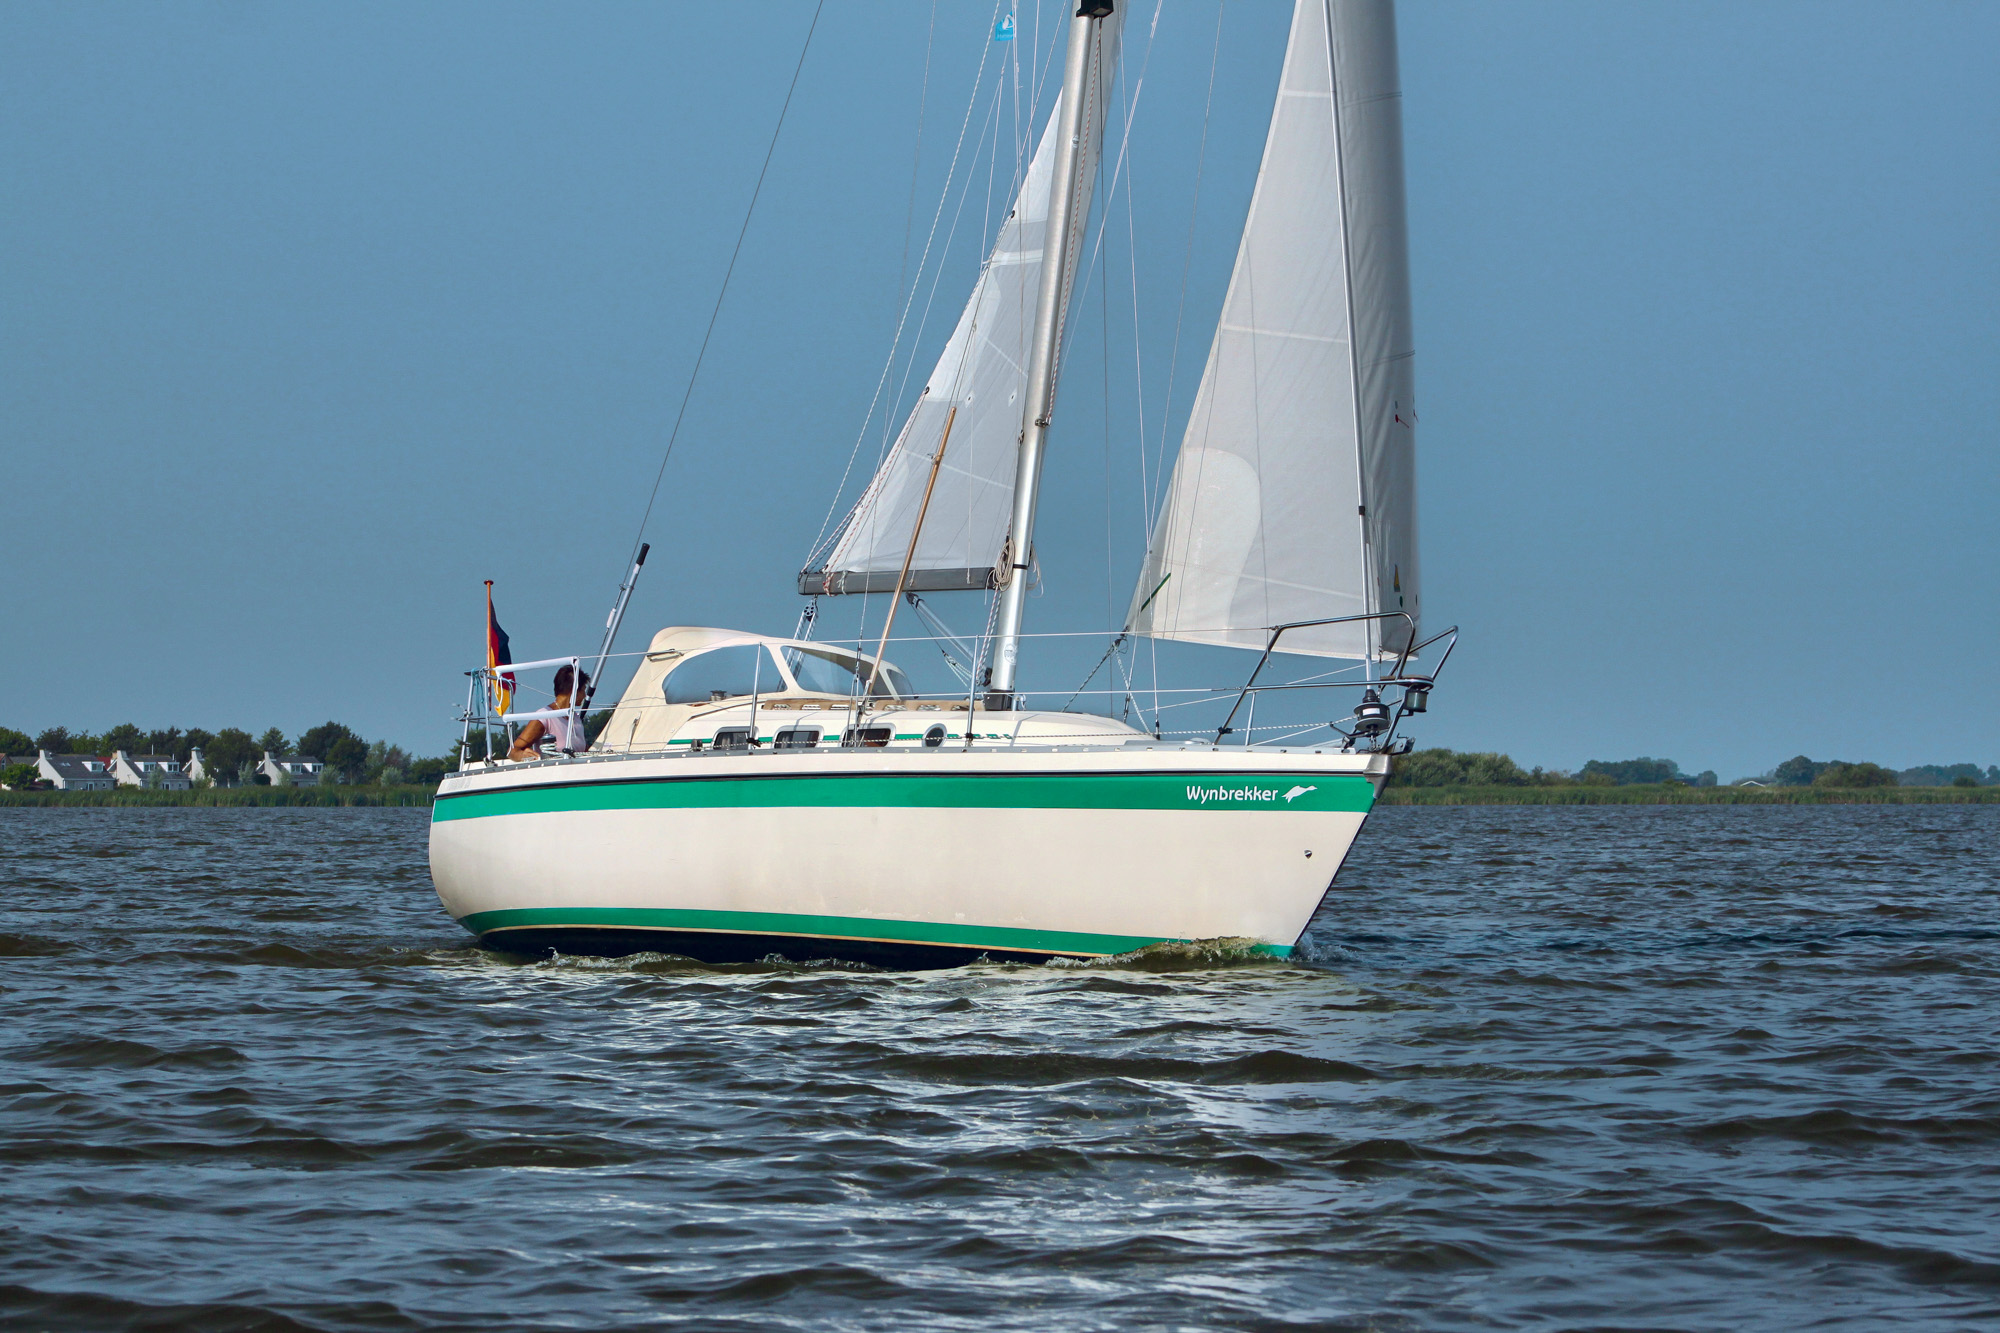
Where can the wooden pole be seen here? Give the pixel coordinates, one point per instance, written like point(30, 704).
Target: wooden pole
point(909, 557)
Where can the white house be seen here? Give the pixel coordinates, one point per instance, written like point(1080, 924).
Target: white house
point(148, 770)
point(75, 772)
point(291, 771)
point(197, 767)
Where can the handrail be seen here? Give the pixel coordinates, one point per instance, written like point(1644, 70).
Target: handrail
point(1245, 694)
point(530, 666)
point(1278, 632)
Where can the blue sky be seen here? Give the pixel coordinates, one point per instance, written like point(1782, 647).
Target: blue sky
point(313, 317)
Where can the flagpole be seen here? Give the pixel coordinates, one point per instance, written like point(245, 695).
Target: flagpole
point(487, 634)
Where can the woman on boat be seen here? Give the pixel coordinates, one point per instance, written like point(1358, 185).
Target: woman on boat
point(565, 729)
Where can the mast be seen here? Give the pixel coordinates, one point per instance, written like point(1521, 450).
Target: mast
point(1067, 192)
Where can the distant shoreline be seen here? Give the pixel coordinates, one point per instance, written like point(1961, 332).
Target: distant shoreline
point(407, 794)
point(1663, 794)
point(413, 795)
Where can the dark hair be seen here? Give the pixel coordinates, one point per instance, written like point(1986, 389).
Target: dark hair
point(563, 679)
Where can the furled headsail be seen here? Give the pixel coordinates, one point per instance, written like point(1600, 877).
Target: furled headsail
point(1294, 495)
point(983, 374)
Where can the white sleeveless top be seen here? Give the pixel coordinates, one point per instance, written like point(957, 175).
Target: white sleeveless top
point(566, 730)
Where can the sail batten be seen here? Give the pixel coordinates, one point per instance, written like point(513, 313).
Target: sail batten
point(1293, 496)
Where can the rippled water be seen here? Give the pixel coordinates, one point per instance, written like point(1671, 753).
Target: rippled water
point(1629, 1067)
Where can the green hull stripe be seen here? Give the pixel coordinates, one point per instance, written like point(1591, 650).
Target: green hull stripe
point(821, 927)
point(1320, 793)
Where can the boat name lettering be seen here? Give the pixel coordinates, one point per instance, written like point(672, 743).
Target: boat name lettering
point(1203, 795)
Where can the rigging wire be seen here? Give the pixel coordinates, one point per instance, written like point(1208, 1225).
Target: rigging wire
point(1138, 361)
point(917, 154)
point(1104, 361)
point(881, 477)
point(1116, 644)
point(1154, 500)
point(1038, 70)
point(1108, 191)
point(895, 342)
point(728, 273)
point(1124, 663)
point(1187, 264)
point(951, 235)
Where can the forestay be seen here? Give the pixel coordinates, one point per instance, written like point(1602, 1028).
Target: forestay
point(1294, 494)
point(983, 373)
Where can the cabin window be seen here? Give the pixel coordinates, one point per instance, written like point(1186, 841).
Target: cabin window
point(798, 738)
point(873, 738)
point(722, 673)
point(733, 738)
point(836, 673)
point(934, 738)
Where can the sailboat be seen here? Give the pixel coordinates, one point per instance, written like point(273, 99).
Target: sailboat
point(753, 795)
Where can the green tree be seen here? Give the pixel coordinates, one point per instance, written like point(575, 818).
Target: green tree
point(195, 739)
point(18, 777)
point(1449, 768)
point(1840, 774)
point(274, 741)
point(1965, 780)
point(1798, 771)
point(230, 749)
point(1626, 772)
point(61, 740)
point(386, 763)
point(314, 744)
point(124, 737)
point(432, 771)
point(336, 746)
point(1938, 775)
point(15, 742)
point(348, 756)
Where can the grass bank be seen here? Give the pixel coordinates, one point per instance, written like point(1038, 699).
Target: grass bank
point(1654, 794)
point(406, 794)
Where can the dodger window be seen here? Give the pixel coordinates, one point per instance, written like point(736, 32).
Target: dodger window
point(722, 673)
point(831, 673)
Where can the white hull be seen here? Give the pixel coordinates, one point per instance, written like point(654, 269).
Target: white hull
point(901, 856)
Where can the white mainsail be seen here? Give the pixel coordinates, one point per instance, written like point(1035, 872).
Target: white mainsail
point(983, 374)
point(1294, 495)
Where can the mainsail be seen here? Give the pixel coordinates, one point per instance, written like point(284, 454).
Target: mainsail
point(1294, 495)
point(983, 374)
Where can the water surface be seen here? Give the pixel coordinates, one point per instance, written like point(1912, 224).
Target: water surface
point(1628, 1067)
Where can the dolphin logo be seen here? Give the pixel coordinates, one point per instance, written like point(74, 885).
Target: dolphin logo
point(1297, 792)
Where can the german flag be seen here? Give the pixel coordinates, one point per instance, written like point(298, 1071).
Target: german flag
point(498, 654)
